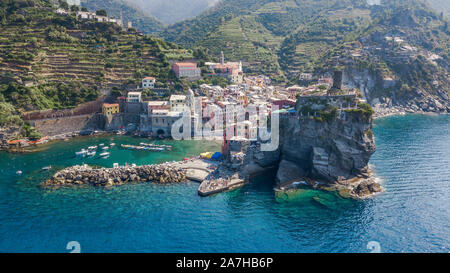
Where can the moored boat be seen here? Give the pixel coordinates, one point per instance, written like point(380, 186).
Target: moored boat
point(83, 152)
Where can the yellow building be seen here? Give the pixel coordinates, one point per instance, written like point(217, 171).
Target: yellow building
point(110, 109)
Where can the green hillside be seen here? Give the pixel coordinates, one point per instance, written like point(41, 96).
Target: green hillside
point(115, 8)
point(172, 11)
point(440, 6)
point(283, 38)
point(254, 31)
point(51, 61)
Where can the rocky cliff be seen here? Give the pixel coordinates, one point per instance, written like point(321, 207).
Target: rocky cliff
point(329, 151)
point(323, 153)
point(387, 96)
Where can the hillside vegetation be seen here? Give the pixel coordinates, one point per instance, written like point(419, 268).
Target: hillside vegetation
point(254, 31)
point(51, 61)
point(283, 38)
point(172, 11)
point(115, 8)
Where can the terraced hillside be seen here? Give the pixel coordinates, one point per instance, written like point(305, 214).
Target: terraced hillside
point(52, 61)
point(254, 31)
point(117, 8)
point(283, 38)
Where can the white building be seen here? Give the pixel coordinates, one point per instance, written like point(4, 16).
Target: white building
point(162, 121)
point(177, 103)
point(148, 82)
point(306, 76)
point(73, 2)
point(134, 97)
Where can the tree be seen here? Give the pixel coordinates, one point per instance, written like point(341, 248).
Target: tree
point(74, 8)
point(63, 4)
point(115, 92)
point(101, 12)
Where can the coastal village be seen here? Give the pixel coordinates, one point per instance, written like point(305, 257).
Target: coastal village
point(317, 97)
point(220, 171)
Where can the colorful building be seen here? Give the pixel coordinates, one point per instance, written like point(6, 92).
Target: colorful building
point(186, 70)
point(110, 109)
point(157, 105)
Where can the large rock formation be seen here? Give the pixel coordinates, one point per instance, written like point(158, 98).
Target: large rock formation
point(329, 151)
point(332, 151)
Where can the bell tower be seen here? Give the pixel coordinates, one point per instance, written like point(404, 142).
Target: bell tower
point(222, 57)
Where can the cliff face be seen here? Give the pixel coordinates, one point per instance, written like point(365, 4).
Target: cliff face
point(332, 152)
point(329, 151)
point(386, 94)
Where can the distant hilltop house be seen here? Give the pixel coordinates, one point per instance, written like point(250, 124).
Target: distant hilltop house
point(186, 70)
point(306, 77)
point(87, 15)
point(74, 2)
point(232, 70)
point(148, 83)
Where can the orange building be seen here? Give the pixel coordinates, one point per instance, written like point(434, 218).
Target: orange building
point(110, 109)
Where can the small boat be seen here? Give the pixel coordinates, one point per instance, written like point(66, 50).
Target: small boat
point(104, 155)
point(92, 147)
point(101, 144)
point(47, 168)
point(19, 172)
point(81, 153)
point(112, 144)
point(92, 153)
point(105, 148)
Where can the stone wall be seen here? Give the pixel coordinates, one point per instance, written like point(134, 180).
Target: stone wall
point(86, 175)
point(83, 109)
point(63, 125)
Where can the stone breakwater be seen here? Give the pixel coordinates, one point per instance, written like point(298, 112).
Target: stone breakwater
point(86, 175)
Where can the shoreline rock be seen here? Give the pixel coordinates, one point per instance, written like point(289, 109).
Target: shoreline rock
point(362, 187)
point(87, 175)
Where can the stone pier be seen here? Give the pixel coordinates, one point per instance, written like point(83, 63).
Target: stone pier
point(86, 175)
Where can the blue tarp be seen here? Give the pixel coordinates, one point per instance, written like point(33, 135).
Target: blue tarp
point(216, 156)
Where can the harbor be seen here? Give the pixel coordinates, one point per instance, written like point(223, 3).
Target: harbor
point(107, 161)
point(194, 169)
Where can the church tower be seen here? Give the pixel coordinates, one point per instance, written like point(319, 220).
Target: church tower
point(190, 100)
point(222, 57)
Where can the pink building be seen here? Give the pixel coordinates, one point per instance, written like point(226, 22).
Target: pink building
point(157, 105)
point(284, 103)
point(186, 70)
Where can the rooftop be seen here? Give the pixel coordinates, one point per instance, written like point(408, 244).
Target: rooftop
point(157, 103)
point(186, 64)
point(110, 105)
point(177, 97)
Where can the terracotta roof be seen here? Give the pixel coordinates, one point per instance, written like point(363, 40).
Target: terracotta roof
point(186, 64)
point(110, 105)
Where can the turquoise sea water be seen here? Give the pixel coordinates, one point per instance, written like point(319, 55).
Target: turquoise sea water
point(413, 215)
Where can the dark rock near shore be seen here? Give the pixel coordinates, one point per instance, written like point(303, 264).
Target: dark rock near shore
point(86, 175)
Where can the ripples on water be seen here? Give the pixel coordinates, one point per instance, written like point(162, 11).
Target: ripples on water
point(412, 216)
